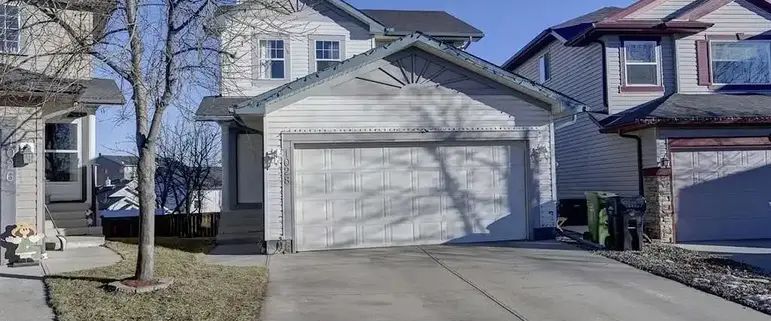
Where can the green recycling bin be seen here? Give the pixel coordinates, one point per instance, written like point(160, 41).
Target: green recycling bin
point(597, 216)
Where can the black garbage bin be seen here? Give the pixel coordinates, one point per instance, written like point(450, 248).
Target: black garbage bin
point(625, 223)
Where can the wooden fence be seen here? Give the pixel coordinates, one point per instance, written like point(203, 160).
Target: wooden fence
point(181, 225)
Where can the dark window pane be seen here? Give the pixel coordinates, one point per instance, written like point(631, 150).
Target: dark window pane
point(61, 167)
point(642, 75)
point(61, 136)
point(12, 10)
point(277, 69)
point(321, 65)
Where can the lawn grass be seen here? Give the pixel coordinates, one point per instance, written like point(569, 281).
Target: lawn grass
point(200, 291)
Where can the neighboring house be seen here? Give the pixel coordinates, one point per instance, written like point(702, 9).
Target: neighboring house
point(119, 199)
point(400, 138)
point(48, 125)
point(206, 199)
point(116, 168)
point(678, 110)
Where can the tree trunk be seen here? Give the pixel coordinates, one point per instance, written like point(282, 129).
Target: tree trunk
point(146, 257)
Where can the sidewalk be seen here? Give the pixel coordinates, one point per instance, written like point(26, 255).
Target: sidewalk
point(22, 291)
point(236, 255)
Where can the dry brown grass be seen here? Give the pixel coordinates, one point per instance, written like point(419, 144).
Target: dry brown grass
point(200, 291)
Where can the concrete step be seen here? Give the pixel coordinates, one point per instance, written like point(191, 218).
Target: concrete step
point(68, 207)
point(240, 229)
point(81, 231)
point(82, 222)
point(243, 238)
point(69, 215)
point(75, 242)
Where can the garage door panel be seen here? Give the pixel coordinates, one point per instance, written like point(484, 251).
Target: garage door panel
point(722, 195)
point(399, 195)
point(311, 160)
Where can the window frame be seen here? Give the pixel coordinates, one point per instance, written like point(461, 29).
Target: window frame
point(316, 59)
point(657, 63)
point(77, 151)
point(260, 59)
point(4, 29)
point(711, 57)
point(544, 68)
point(312, 39)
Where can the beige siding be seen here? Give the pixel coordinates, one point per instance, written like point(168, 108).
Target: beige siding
point(238, 76)
point(45, 46)
point(588, 160)
point(735, 17)
point(576, 72)
point(28, 196)
point(441, 111)
point(661, 10)
point(620, 101)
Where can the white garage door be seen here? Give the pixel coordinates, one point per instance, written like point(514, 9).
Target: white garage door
point(722, 195)
point(375, 195)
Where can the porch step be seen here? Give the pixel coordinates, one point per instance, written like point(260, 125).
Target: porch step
point(63, 243)
point(69, 215)
point(68, 207)
point(50, 231)
point(241, 238)
point(71, 223)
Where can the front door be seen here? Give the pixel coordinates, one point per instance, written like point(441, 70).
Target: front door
point(64, 166)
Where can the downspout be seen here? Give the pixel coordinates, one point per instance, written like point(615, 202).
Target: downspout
point(640, 179)
point(605, 99)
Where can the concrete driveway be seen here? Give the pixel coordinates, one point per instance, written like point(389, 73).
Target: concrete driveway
point(752, 252)
point(518, 281)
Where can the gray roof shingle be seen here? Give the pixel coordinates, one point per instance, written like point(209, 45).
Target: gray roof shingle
point(678, 109)
point(218, 106)
point(433, 23)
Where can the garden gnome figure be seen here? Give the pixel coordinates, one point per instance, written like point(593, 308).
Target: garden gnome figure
point(27, 245)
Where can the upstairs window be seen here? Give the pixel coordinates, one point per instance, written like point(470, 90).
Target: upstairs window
point(327, 54)
point(272, 64)
point(642, 65)
point(740, 62)
point(544, 68)
point(9, 29)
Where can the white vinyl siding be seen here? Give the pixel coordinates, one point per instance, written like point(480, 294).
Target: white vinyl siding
point(588, 160)
point(661, 10)
point(440, 109)
point(237, 77)
point(620, 101)
point(575, 71)
point(735, 17)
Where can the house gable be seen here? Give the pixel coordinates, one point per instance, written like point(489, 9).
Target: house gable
point(415, 69)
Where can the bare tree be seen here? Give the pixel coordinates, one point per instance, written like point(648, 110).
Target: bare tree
point(159, 48)
point(187, 155)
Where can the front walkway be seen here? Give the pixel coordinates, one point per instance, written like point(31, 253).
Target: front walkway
point(22, 291)
point(516, 281)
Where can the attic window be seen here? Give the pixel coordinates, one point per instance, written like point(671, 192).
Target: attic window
point(544, 68)
point(9, 30)
point(642, 65)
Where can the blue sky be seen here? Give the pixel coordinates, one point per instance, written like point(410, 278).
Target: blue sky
point(508, 25)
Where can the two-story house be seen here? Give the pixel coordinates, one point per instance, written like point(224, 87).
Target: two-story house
point(678, 110)
point(48, 101)
point(349, 128)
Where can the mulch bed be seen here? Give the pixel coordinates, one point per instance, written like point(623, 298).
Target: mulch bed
point(710, 273)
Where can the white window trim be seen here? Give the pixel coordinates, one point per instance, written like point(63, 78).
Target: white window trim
point(544, 73)
point(317, 59)
point(18, 31)
point(261, 59)
point(312, 49)
point(712, 70)
point(657, 47)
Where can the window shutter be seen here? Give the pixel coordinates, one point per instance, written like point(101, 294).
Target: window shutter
point(702, 62)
